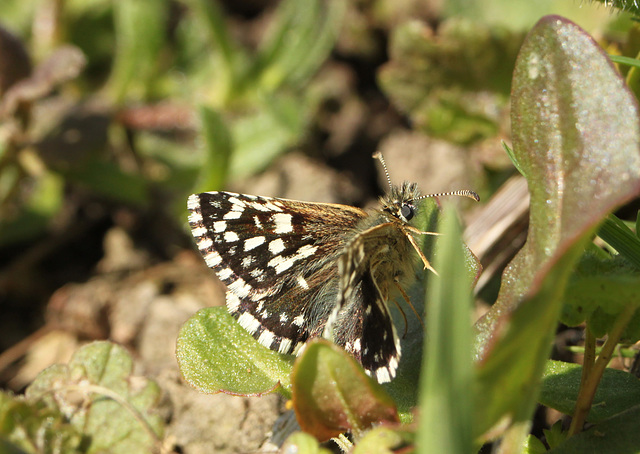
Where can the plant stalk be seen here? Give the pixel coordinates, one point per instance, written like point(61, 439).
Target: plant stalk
point(592, 377)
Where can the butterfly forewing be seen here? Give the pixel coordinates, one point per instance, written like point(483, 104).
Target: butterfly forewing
point(278, 259)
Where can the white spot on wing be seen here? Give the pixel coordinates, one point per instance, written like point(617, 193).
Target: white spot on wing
point(204, 243)
point(219, 226)
point(253, 243)
point(305, 251)
point(233, 302)
point(393, 363)
point(213, 259)
point(285, 345)
point(274, 206)
point(266, 338)
point(199, 231)
point(382, 374)
point(302, 282)
point(195, 217)
point(299, 320)
point(240, 288)
point(232, 215)
point(281, 264)
point(238, 205)
point(276, 246)
point(249, 322)
point(193, 202)
point(282, 222)
point(225, 274)
point(231, 237)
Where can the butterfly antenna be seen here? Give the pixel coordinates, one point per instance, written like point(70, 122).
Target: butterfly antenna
point(462, 193)
point(377, 155)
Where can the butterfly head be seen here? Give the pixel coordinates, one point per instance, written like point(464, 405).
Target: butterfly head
point(400, 201)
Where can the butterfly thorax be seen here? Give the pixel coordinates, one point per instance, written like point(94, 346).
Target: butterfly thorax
point(390, 255)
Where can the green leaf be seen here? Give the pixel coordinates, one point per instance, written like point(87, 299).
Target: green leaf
point(577, 141)
point(261, 137)
point(108, 179)
point(228, 56)
point(447, 378)
point(332, 394)
point(621, 238)
point(303, 35)
point(533, 446)
point(618, 391)
point(618, 434)
point(512, 157)
point(621, 59)
point(302, 443)
point(29, 427)
point(115, 411)
point(385, 440)
point(449, 82)
point(555, 435)
point(215, 354)
point(598, 290)
point(219, 146)
point(139, 36)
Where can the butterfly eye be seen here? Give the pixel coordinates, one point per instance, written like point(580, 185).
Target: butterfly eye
point(407, 212)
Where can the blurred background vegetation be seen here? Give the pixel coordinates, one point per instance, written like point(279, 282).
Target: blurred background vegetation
point(113, 112)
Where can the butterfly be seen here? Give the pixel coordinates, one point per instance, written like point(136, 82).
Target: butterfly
point(297, 270)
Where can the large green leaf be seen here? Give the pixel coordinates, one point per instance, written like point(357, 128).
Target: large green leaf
point(618, 391)
point(600, 289)
point(115, 411)
point(218, 145)
point(616, 435)
point(576, 138)
point(139, 36)
point(446, 389)
point(216, 354)
point(302, 36)
point(29, 427)
point(332, 394)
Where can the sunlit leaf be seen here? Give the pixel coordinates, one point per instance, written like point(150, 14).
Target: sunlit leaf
point(216, 354)
point(576, 139)
point(332, 394)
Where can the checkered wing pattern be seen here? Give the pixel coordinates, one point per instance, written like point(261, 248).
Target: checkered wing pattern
point(278, 259)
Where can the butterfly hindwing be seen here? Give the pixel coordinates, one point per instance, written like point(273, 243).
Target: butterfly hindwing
point(361, 323)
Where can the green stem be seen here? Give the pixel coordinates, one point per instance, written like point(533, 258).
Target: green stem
point(589, 356)
point(592, 377)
